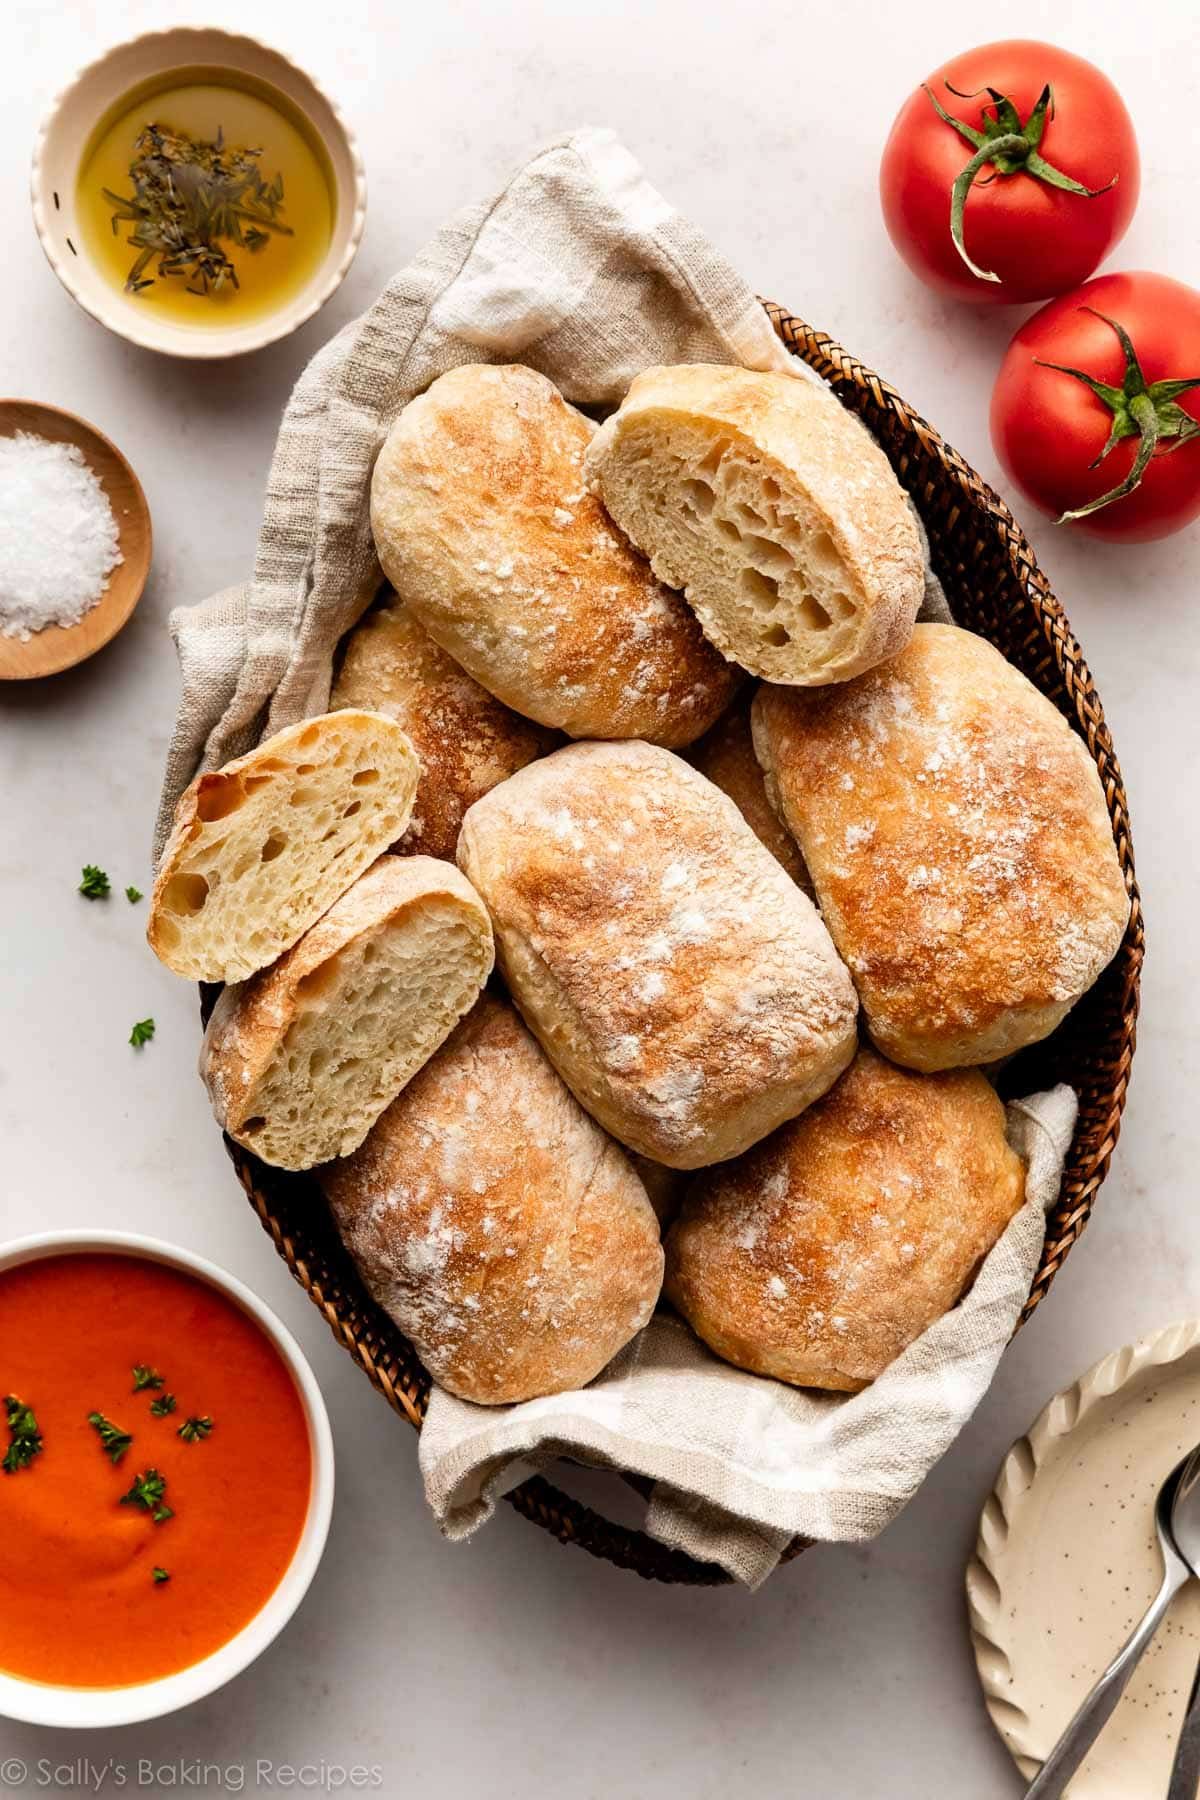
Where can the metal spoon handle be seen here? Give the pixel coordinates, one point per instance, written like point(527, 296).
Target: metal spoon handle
point(1185, 1770)
point(1101, 1703)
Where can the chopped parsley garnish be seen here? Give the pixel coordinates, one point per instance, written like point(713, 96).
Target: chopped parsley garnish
point(147, 1492)
point(166, 1403)
point(133, 895)
point(25, 1438)
point(142, 1032)
point(113, 1441)
point(95, 883)
point(193, 1430)
point(145, 1377)
point(158, 1576)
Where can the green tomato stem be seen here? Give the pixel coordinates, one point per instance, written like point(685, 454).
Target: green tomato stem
point(1012, 148)
point(1147, 410)
point(1145, 417)
point(986, 153)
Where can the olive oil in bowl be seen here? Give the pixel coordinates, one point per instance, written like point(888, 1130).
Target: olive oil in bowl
point(205, 198)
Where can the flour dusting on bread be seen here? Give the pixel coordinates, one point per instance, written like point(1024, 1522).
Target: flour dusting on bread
point(958, 837)
point(684, 987)
point(495, 1222)
point(821, 1254)
point(486, 529)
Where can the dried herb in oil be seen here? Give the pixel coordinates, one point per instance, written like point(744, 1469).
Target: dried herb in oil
point(191, 198)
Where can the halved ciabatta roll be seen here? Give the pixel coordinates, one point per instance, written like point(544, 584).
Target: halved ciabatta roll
point(773, 509)
point(301, 1059)
point(261, 848)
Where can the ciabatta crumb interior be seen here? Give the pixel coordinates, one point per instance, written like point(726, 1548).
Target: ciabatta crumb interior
point(301, 1060)
point(261, 848)
point(775, 512)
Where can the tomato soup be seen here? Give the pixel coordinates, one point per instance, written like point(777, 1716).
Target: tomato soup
point(154, 1470)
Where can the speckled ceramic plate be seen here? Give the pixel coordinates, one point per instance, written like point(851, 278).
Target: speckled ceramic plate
point(1067, 1562)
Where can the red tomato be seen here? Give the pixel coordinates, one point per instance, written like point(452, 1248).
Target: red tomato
point(1037, 238)
point(1049, 427)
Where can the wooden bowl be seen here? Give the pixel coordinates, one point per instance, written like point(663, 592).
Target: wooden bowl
point(994, 587)
point(60, 647)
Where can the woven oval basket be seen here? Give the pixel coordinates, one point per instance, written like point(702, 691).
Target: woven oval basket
point(995, 588)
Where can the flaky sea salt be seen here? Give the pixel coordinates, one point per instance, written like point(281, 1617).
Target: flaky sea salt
point(58, 537)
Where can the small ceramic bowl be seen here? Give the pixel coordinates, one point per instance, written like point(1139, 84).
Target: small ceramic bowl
point(38, 1703)
point(66, 136)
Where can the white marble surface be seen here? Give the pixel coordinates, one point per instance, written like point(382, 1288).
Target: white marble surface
point(511, 1666)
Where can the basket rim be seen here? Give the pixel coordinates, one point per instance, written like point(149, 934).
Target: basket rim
point(537, 1499)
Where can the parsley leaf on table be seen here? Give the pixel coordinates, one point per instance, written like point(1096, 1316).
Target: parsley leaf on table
point(95, 884)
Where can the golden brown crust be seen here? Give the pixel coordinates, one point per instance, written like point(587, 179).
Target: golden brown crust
point(495, 1222)
point(682, 985)
point(824, 1252)
point(725, 756)
point(467, 740)
point(959, 842)
point(485, 528)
